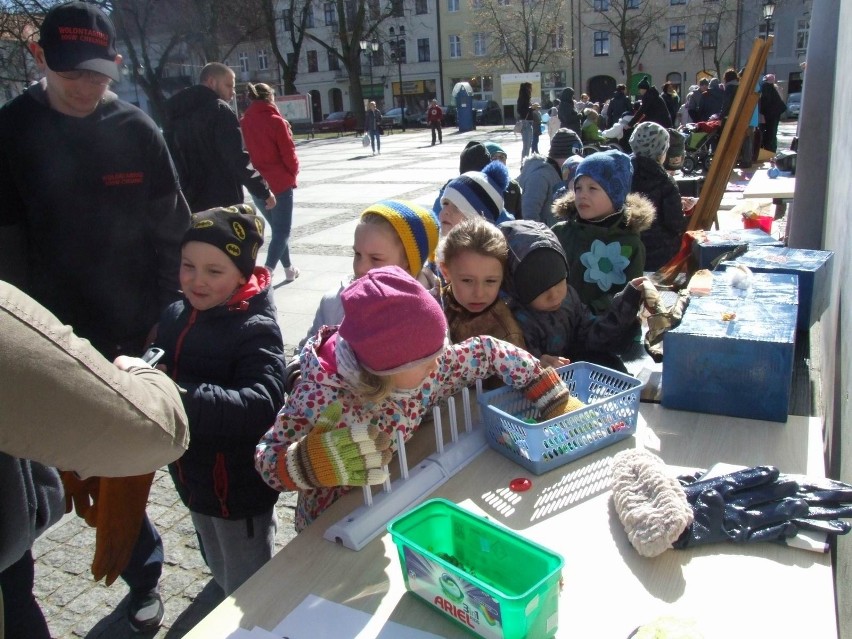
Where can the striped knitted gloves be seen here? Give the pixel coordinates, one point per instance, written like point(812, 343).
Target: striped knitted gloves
point(331, 455)
point(551, 396)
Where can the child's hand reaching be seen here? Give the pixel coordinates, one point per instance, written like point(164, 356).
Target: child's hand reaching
point(554, 361)
point(332, 456)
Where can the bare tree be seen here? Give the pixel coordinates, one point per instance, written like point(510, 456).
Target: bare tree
point(16, 67)
point(298, 16)
point(356, 20)
point(525, 34)
point(635, 25)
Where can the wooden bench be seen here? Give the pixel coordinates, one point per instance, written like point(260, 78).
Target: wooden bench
point(303, 128)
point(388, 124)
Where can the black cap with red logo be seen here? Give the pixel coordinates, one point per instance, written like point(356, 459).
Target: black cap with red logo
point(79, 36)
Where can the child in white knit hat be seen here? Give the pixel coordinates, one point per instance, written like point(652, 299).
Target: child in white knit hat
point(475, 194)
point(375, 376)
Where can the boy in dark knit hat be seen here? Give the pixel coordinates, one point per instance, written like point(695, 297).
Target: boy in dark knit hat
point(558, 327)
point(223, 346)
point(600, 230)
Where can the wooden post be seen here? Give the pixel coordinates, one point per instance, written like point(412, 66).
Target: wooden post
point(727, 151)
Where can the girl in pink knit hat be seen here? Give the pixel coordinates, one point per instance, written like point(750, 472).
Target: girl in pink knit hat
point(381, 371)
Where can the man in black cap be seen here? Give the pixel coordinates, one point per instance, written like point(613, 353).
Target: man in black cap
point(91, 217)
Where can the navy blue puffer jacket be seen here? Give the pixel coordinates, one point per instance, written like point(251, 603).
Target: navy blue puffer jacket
point(230, 361)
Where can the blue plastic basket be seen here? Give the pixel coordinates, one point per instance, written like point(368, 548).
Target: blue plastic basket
point(611, 414)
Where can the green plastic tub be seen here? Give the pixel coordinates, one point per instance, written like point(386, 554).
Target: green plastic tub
point(486, 578)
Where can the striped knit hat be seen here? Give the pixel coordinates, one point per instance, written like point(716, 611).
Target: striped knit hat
point(418, 229)
point(479, 193)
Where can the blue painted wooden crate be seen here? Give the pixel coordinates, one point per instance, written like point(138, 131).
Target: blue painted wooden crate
point(741, 367)
point(718, 242)
point(812, 267)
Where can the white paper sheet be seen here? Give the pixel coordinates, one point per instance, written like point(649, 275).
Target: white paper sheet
point(318, 617)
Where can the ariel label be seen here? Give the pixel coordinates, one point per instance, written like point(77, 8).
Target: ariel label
point(453, 595)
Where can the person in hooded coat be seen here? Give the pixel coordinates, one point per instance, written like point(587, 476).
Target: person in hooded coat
point(568, 116)
point(653, 107)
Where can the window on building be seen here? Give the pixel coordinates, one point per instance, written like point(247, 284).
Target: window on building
point(503, 3)
point(601, 5)
point(455, 46)
point(803, 28)
point(313, 66)
point(243, 61)
point(423, 53)
point(262, 60)
point(557, 38)
point(532, 41)
point(333, 61)
point(601, 43)
point(287, 19)
point(762, 29)
point(674, 2)
point(677, 38)
point(421, 7)
point(710, 35)
point(398, 51)
point(309, 22)
point(397, 9)
point(632, 4)
point(476, 4)
point(452, 6)
point(330, 13)
point(292, 62)
point(480, 44)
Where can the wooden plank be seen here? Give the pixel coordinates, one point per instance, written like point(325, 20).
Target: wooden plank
point(727, 151)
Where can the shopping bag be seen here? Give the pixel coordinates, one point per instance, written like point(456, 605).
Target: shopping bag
point(518, 126)
point(366, 139)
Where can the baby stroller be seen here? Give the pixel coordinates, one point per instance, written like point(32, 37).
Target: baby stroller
point(701, 141)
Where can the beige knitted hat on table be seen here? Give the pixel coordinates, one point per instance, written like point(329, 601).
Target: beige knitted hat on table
point(651, 504)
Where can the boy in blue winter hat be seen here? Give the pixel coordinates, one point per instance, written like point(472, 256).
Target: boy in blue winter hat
point(600, 227)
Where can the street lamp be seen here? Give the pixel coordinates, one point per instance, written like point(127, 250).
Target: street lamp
point(398, 42)
point(370, 48)
point(768, 12)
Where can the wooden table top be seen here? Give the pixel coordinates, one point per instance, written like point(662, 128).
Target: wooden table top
point(762, 186)
point(761, 590)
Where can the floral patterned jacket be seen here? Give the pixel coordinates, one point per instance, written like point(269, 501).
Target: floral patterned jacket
point(324, 382)
point(603, 256)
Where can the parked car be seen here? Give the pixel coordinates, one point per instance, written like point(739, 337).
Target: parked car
point(338, 121)
point(412, 118)
point(794, 105)
point(487, 112)
point(448, 119)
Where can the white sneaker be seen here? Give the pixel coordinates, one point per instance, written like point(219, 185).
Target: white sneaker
point(290, 273)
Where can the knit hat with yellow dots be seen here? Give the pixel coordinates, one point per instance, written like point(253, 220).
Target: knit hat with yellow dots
point(416, 227)
point(236, 230)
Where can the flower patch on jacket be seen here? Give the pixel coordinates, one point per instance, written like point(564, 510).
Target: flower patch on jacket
point(605, 264)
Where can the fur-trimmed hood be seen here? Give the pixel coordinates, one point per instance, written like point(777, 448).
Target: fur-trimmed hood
point(637, 213)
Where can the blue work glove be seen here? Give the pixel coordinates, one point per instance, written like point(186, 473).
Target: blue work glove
point(759, 504)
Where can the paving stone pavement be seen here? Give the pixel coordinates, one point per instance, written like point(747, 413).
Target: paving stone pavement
point(75, 606)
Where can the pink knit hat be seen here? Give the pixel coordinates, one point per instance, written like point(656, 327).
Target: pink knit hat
point(391, 322)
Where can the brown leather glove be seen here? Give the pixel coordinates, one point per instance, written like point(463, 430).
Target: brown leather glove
point(82, 494)
point(120, 510)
